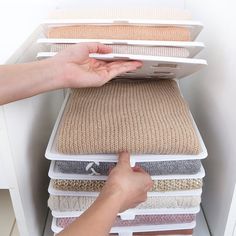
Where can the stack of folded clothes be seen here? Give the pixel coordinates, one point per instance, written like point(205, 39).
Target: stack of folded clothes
point(148, 118)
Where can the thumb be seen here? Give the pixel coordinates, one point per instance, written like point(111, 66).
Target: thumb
point(124, 159)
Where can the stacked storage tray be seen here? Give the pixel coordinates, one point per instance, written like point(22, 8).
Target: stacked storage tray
point(164, 210)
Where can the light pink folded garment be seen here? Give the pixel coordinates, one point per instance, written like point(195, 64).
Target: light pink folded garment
point(140, 220)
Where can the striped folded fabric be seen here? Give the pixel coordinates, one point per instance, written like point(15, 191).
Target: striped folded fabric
point(181, 167)
point(140, 220)
point(145, 117)
point(137, 50)
point(82, 203)
point(97, 185)
point(184, 232)
point(122, 32)
point(122, 13)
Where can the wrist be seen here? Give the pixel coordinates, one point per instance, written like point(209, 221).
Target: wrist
point(53, 73)
point(113, 194)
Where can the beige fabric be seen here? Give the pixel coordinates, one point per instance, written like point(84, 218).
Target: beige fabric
point(97, 185)
point(122, 13)
point(82, 203)
point(121, 32)
point(137, 50)
point(141, 117)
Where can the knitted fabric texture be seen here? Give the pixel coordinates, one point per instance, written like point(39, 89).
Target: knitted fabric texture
point(137, 50)
point(123, 32)
point(152, 168)
point(82, 203)
point(145, 117)
point(97, 185)
point(140, 220)
point(123, 13)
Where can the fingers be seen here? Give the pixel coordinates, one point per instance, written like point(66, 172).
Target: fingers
point(124, 159)
point(119, 67)
point(98, 48)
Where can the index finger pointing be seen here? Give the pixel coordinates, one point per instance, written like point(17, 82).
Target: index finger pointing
point(124, 159)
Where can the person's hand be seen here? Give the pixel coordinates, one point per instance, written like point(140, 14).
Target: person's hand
point(129, 185)
point(78, 70)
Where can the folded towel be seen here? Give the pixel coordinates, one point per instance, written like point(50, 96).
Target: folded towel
point(82, 203)
point(153, 168)
point(140, 220)
point(123, 32)
point(137, 50)
point(97, 185)
point(122, 13)
point(145, 117)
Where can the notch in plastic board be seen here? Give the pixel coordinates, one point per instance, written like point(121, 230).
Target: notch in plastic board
point(153, 67)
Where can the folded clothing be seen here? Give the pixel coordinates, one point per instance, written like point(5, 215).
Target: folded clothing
point(145, 117)
point(181, 167)
point(97, 185)
point(82, 203)
point(123, 13)
point(122, 32)
point(184, 232)
point(137, 50)
point(139, 220)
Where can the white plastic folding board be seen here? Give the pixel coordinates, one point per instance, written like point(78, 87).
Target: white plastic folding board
point(142, 228)
point(53, 191)
point(132, 213)
point(193, 47)
point(153, 66)
point(194, 27)
point(52, 153)
point(54, 173)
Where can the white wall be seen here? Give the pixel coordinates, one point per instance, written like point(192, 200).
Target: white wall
point(212, 97)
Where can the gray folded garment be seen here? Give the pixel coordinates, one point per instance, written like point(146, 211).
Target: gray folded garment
point(153, 168)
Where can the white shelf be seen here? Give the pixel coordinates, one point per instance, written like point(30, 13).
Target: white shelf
point(200, 230)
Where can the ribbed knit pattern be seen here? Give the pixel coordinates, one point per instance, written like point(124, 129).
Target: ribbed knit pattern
point(145, 117)
point(97, 185)
point(123, 13)
point(139, 220)
point(123, 32)
point(137, 50)
point(82, 203)
point(152, 168)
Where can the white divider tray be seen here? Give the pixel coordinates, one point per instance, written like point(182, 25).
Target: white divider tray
point(131, 213)
point(193, 47)
point(54, 173)
point(153, 66)
point(53, 191)
point(195, 27)
point(52, 153)
point(128, 230)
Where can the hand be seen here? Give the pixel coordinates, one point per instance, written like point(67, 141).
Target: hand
point(129, 185)
point(79, 70)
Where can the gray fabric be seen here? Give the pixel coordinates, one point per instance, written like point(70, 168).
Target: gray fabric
point(153, 168)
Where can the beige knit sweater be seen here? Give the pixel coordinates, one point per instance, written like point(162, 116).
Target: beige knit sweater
point(123, 32)
point(142, 117)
